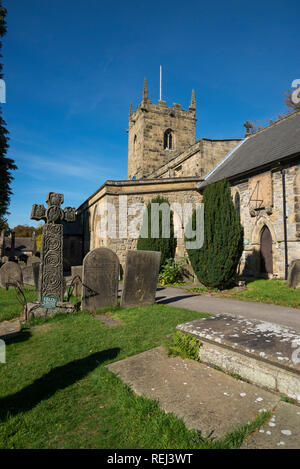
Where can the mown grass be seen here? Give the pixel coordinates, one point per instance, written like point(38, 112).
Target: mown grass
point(10, 306)
point(271, 291)
point(57, 393)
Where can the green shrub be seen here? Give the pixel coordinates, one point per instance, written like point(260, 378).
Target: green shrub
point(171, 272)
point(167, 246)
point(184, 346)
point(215, 264)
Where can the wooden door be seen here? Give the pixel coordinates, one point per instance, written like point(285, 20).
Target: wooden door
point(266, 257)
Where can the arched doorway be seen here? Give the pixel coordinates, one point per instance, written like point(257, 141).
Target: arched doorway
point(266, 254)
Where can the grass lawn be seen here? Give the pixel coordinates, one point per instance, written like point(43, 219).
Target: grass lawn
point(263, 291)
point(56, 392)
point(10, 307)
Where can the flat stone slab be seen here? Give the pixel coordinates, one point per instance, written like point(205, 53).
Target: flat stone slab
point(204, 398)
point(9, 329)
point(274, 343)
point(108, 320)
point(282, 432)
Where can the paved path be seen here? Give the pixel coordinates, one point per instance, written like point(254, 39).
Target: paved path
point(207, 304)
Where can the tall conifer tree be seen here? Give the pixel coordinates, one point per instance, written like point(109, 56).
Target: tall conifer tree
point(6, 164)
point(215, 264)
point(167, 246)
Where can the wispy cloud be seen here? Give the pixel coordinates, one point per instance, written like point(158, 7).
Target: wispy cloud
point(83, 168)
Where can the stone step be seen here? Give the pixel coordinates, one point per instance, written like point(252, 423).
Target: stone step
point(262, 353)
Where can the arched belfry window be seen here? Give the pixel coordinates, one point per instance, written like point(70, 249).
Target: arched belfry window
point(168, 140)
point(134, 144)
point(237, 203)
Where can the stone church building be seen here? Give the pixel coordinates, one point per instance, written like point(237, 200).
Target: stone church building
point(164, 159)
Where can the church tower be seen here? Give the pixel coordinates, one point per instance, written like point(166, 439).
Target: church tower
point(156, 133)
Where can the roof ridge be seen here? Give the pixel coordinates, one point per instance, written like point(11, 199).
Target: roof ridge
point(292, 114)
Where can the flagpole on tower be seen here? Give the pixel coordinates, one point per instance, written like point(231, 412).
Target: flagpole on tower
point(160, 80)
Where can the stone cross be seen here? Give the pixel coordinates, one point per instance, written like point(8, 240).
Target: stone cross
point(51, 279)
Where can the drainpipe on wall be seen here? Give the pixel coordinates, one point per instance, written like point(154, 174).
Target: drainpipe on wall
point(286, 263)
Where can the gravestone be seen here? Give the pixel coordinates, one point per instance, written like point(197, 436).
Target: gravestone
point(33, 259)
point(10, 274)
point(100, 279)
point(140, 279)
point(76, 271)
point(51, 279)
point(31, 274)
point(293, 280)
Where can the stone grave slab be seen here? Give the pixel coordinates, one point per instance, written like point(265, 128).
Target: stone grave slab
point(9, 329)
point(206, 400)
point(31, 274)
point(293, 280)
point(77, 271)
point(100, 279)
point(10, 273)
point(140, 278)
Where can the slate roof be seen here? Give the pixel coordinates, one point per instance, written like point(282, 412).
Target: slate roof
point(276, 142)
point(21, 244)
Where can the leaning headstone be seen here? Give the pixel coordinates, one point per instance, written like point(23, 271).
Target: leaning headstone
point(100, 279)
point(51, 280)
point(10, 274)
point(293, 280)
point(31, 275)
point(140, 279)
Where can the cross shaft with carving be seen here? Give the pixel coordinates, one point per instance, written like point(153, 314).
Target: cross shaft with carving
point(51, 280)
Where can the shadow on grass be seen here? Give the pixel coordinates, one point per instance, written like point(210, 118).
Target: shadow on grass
point(21, 337)
point(59, 378)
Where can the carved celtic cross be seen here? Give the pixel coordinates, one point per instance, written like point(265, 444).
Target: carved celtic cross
point(53, 214)
point(51, 279)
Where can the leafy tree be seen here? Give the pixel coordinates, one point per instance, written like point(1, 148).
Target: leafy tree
point(6, 164)
point(167, 246)
point(291, 104)
point(215, 264)
point(23, 231)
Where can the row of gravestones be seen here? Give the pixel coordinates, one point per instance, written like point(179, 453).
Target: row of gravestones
point(12, 273)
point(100, 278)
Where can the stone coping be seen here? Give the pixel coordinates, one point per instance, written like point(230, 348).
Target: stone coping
point(265, 341)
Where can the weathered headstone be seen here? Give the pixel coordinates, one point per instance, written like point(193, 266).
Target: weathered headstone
point(51, 280)
point(31, 274)
point(140, 279)
point(33, 259)
point(100, 279)
point(10, 274)
point(76, 274)
point(293, 280)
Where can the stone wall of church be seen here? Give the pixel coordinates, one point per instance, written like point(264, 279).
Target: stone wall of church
point(261, 204)
point(123, 206)
point(197, 160)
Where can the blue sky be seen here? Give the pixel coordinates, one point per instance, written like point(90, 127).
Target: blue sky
point(72, 68)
